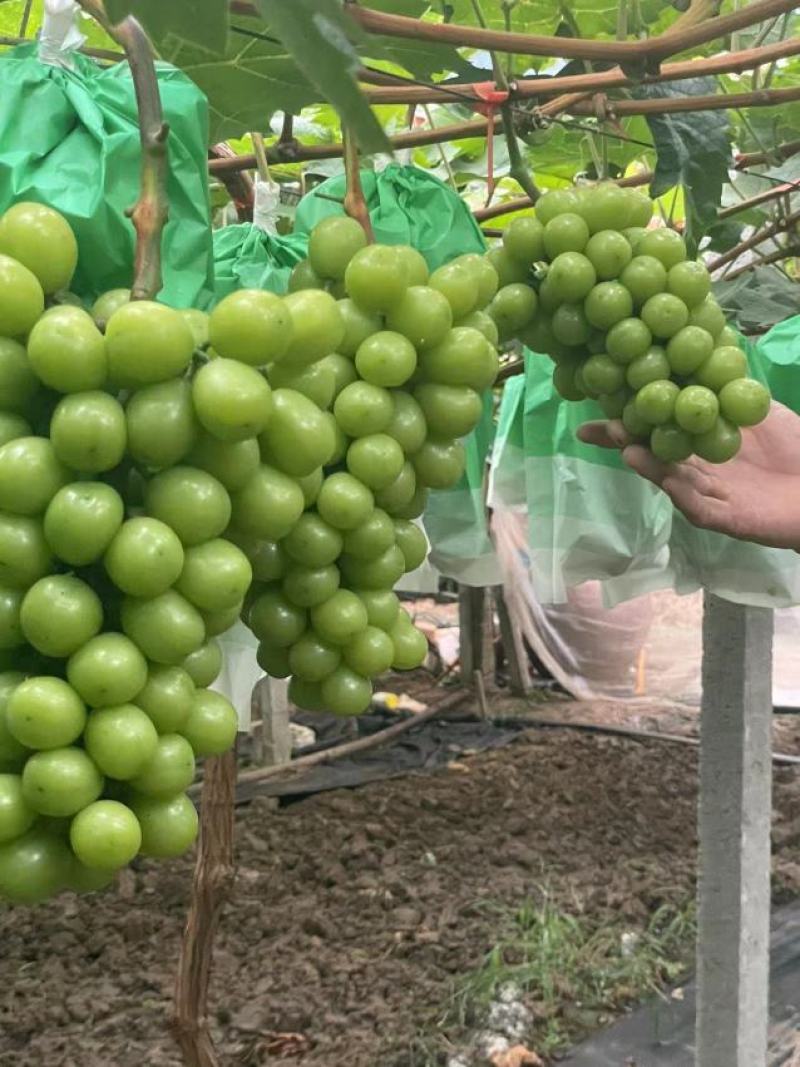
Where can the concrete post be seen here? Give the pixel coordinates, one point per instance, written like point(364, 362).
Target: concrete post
point(275, 742)
point(734, 831)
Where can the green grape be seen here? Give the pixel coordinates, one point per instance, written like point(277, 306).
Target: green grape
point(345, 692)
point(21, 298)
point(298, 438)
point(523, 239)
point(483, 323)
point(744, 402)
point(727, 336)
point(358, 325)
point(556, 202)
point(311, 659)
point(231, 400)
point(640, 207)
point(88, 432)
point(386, 359)
point(507, 269)
point(376, 278)
point(652, 366)
point(415, 264)
point(18, 382)
point(633, 421)
point(709, 316)
point(484, 274)
point(644, 276)
point(690, 281)
point(607, 304)
point(316, 382)
point(371, 539)
point(670, 443)
point(145, 343)
point(67, 351)
point(376, 460)
point(400, 493)
point(317, 327)
point(627, 340)
point(567, 232)
point(439, 464)
point(572, 276)
point(513, 308)
point(613, 404)
point(719, 444)
point(304, 276)
point(725, 364)
point(313, 541)
point(605, 207)
point(465, 357)
point(275, 620)
point(696, 409)
point(450, 411)
point(609, 253)
point(333, 243)
point(688, 349)
point(407, 425)
point(423, 315)
point(40, 239)
point(665, 314)
point(306, 586)
point(251, 325)
point(564, 382)
point(344, 502)
point(362, 408)
point(570, 325)
point(655, 402)
point(663, 244)
point(342, 369)
point(633, 235)
point(601, 375)
point(459, 285)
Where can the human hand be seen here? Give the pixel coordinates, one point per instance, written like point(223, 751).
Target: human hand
point(754, 497)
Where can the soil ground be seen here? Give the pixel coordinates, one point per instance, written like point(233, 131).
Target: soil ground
point(356, 913)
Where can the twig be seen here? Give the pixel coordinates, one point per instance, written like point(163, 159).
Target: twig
point(759, 198)
point(729, 63)
point(518, 168)
point(442, 153)
point(716, 102)
point(213, 878)
point(149, 213)
point(352, 748)
point(355, 203)
point(764, 261)
point(238, 183)
point(569, 48)
point(26, 14)
point(287, 129)
point(757, 238)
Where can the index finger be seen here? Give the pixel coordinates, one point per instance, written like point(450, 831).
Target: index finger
point(605, 433)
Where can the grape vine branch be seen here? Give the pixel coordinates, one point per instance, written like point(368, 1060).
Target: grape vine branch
point(149, 213)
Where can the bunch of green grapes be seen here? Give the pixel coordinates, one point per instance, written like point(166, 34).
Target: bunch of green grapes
point(629, 321)
point(114, 576)
point(383, 379)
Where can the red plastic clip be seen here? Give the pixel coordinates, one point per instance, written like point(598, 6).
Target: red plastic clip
point(491, 97)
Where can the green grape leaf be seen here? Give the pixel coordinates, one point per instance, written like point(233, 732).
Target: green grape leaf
point(254, 78)
point(317, 34)
point(203, 22)
point(693, 151)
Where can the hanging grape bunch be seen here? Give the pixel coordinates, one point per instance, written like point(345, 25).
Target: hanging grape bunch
point(164, 473)
point(629, 321)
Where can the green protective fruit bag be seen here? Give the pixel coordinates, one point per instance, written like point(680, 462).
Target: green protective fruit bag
point(69, 138)
point(409, 206)
point(591, 518)
point(245, 257)
point(406, 206)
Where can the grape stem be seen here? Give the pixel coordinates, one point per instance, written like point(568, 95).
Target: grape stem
point(149, 213)
point(355, 203)
point(213, 878)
